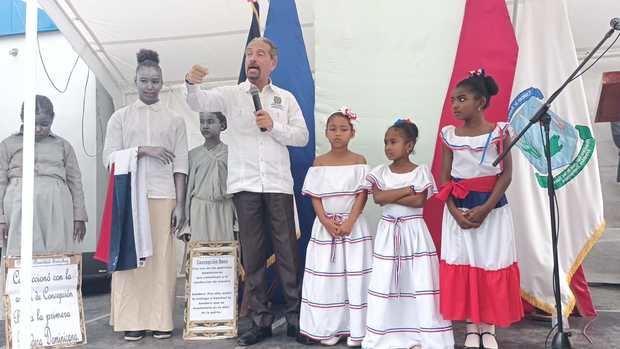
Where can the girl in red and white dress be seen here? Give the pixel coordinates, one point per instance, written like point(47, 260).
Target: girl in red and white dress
point(479, 270)
point(338, 258)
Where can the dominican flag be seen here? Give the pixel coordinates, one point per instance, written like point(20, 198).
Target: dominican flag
point(125, 237)
point(293, 74)
point(403, 60)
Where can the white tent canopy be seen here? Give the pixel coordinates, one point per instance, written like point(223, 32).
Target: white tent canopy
point(107, 35)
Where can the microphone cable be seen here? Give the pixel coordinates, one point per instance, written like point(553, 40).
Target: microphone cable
point(49, 78)
point(597, 59)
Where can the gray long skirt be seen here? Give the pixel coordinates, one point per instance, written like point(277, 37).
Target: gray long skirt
point(53, 217)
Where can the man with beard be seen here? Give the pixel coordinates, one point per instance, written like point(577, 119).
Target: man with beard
point(259, 177)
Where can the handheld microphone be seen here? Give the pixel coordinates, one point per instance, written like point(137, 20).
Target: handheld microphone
point(257, 104)
point(615, 23)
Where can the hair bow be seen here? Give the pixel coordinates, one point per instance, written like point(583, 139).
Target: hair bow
point(401, 121)
point(477, 72)
point(346, 111)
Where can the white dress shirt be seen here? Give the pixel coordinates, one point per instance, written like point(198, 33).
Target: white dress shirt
point(257, 161)
point(139, 124)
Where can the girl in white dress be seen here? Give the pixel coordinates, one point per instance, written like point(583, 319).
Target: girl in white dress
point(403, 296)
point(338, 262)
point(479, 270)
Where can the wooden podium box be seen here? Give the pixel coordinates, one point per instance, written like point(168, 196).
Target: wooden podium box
point(609, 103)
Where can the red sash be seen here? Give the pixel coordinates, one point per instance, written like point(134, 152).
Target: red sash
point(461, 188)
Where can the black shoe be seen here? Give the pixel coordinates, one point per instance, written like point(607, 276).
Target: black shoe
point(162, 334)
point(301, 339)
point(254, 335)
point(293, 331)
point(133, 336)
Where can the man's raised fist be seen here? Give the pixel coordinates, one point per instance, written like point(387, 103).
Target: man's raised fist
point(197, 74)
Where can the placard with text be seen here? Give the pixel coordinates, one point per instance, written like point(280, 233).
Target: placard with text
point(57, 312)
point(211, 290)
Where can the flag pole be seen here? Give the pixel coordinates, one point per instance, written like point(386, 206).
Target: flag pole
point(256, 12)
point(253, 33)
point(515, 14)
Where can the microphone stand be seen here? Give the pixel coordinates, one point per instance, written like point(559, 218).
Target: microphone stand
point(560, 339)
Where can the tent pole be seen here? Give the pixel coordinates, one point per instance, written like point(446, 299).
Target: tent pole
point(28, 174)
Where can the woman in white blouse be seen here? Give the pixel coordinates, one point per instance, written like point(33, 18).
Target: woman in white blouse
point(143, 298)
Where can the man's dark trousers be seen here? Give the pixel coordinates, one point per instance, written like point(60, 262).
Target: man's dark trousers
point(268, 216)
